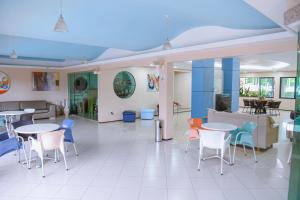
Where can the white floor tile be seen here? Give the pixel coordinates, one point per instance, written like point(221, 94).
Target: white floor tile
point(125, 194)
point(71, 192)
point(97, 193)
point(266, 194)
point(181, 194)
point(210, 194)
point(153, 194)
point(122, 161)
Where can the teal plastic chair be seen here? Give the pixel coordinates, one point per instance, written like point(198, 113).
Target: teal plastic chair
point(243, 136)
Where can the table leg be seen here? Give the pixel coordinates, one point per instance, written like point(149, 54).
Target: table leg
point(6, 123)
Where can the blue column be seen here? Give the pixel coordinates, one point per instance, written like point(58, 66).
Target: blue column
point(202, 87)
point(231, 70)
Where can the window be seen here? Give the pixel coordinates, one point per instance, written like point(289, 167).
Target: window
point(287, 87)
point(266, 87)
point(249, 87)
point(254, 87)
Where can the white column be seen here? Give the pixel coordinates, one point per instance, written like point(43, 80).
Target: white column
point(166, 99)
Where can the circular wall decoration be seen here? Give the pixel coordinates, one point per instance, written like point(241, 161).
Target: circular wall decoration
point(124, 84)
point(4, 83)
point(80, 84)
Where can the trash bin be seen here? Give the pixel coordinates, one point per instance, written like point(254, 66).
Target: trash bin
point(158, 130)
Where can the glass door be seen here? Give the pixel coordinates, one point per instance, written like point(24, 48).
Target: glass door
point(83, 94)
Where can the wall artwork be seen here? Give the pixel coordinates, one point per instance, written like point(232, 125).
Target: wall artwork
point(4, 82)
point(45, 81)
point(124, 84)
point(152, 82)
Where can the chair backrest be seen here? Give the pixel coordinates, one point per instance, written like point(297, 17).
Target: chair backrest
point(292, 115)
point(51, 140)
point(29, 110)
point(249, 127)
point(264, 103)
point(195, 123)
point(26, 117)
point(68, 123)
point(246, 102)
point(8, 144)
point(252, 102)
point(271, 104)
point(21, 123)
point(297, 120)
point(4, 136)
point(212, 139)
point(277, 104)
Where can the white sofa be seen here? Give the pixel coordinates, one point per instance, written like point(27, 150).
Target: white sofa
point(265, 134)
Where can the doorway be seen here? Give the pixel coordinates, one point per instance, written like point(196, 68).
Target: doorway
point(83, 94)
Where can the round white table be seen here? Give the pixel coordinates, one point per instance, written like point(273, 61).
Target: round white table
point(216, 126)
point(37, 128)
point(9, 117)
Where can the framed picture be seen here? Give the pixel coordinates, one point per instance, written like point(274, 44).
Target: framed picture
point(4, 83)
point(152, 82)
point(45, 81)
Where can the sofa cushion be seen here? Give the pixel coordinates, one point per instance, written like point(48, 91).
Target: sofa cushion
point(38, 105)
point(9, 105)
point(41, 111)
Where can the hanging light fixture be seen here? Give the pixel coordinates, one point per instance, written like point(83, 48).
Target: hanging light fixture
point(167, 44)
point(61, 25)
point(13, 54)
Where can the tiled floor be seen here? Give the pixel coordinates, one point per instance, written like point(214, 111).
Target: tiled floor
point(121, 161)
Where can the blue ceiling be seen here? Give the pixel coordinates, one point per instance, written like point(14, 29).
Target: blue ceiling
point(45, 49)
point(95, 25)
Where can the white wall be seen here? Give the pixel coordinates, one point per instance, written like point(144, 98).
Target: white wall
point(183, 88)
point(286, 104)
point(110, 102)
point(21, 86)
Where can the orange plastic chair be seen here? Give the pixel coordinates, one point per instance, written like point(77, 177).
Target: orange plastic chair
point(195, 123)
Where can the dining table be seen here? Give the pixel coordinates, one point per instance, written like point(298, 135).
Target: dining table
point(9, 118)
point(219, 126)
point(37, 129)
point(260, 106)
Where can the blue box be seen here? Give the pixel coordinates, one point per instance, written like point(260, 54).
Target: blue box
point(147, 113)
point(129, 116)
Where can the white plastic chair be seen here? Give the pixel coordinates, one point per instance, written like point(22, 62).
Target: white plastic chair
point(46, 142)
point(214, 140)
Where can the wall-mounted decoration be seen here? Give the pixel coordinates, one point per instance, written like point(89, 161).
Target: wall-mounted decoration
point(45, 81)
point(124, 84)
point(152, 82)
point(4, 83)
point(80, 84)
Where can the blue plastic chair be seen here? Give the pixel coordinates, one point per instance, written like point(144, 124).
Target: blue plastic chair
point(17, 124)
point(244, 136)
point(8, 145)
point(67, 125)
point(2, 122)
